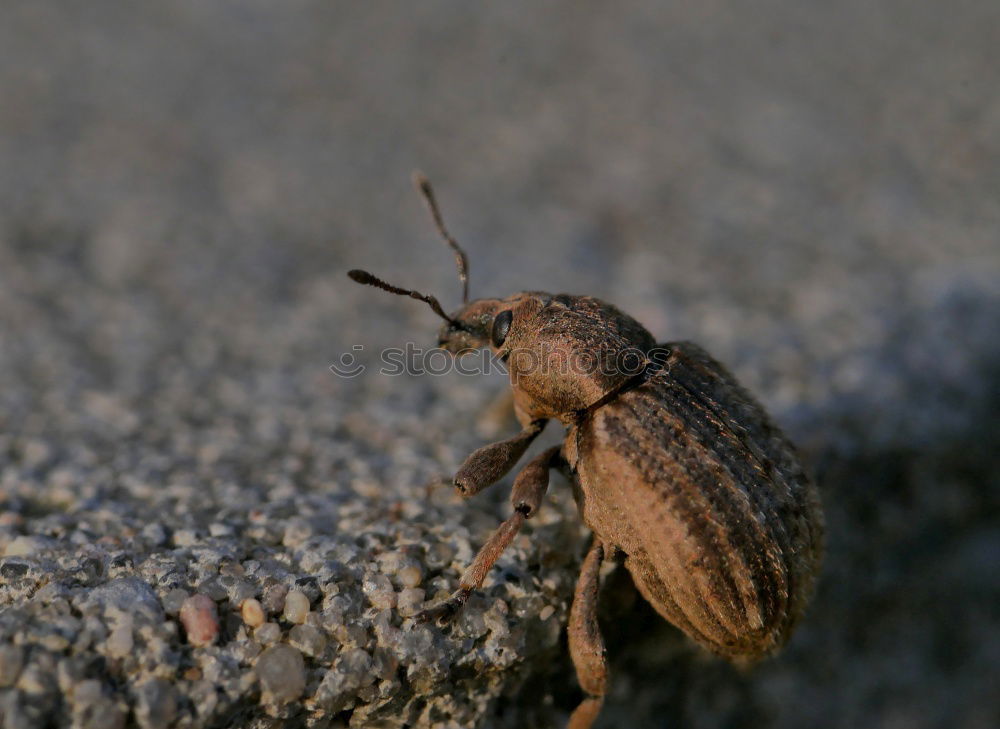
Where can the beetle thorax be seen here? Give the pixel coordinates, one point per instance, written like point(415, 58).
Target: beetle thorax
point(563, 353)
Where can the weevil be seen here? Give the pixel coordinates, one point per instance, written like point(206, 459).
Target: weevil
point(677, 470)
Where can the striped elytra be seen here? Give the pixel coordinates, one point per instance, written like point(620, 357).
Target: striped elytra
point(688, 476)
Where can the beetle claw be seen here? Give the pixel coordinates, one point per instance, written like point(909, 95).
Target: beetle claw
point(443, 614)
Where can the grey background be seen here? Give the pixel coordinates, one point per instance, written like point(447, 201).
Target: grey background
point(810, 190)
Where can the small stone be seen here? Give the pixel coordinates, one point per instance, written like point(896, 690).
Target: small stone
point(439, 554)
point(11, 660)
point(252, 612)
point(409, 576)
point(12, 570)
point(282, 674)
point(307, 639)
point(213, 589)
point(352, 634)
point(240, 591)
point(391, 562)
point(36, 679)
point(410, 601)
point(384, 664)
point(379, 590)
point(376, 583)
point(27, 546)
point(125, 595)
point(52, 641)
point(155, 534)
point(296, 607)
point(186, 538)
point(232, 568)
point(268, 633)
point(192, 674)
point(546, 612)
point(356, 665)
point(10, 519)
point(173, 600)
point(120, 640)
point(217, 529)
point(296, 532)
point(156, 704)
point(274, 598)
point(93, 710)
point(383, 600)
point(201, 623)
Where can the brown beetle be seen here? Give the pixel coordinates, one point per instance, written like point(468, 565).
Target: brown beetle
point(675, 468)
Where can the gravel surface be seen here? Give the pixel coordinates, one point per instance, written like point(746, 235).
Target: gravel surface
point(201, 525)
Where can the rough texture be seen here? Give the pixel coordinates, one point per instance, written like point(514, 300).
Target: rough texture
point(811, 192)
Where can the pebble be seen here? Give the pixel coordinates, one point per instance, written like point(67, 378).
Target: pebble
point(409, 576)
point(14, 569)
point(383, 600)
point(11, 660)
point(253, 613)
point(130, 596)
point(296, 607)
point(268, 633)
point(93, 710)
point(282, 674)
point(240, 591)
point(186, 538)
point(274, 598)
point(155, 534)
point(379, 590)
point(156, 704)
point(173, 600)
point(28, 546)
point(120, 642)
point(213, 589)
point(220, 530)
point(410, 601)
point(307, 639)
point(200, 620)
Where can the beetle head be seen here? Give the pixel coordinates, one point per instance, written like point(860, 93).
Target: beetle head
point(470, 326)
point(564, 353)
point(489, 323)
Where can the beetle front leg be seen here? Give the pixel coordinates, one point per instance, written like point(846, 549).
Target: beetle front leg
point(586, 645)
point(489, 464)
point(526, 497)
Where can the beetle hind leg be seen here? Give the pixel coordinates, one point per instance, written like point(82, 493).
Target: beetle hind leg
point(525, 497)
point(586, 645)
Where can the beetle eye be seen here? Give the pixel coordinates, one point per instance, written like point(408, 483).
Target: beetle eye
point(501, 325)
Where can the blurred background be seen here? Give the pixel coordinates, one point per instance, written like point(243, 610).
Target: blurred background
point(809, 190)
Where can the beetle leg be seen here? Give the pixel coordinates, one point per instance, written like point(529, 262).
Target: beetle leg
point(586, 645)
point(533, 481)
point(526, 497)
point(476, 572)
point(489, 464)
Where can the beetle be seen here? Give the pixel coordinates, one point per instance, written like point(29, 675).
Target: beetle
point(675, 468)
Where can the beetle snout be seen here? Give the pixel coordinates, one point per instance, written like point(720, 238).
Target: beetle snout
point(468, 328)
point(448, 335)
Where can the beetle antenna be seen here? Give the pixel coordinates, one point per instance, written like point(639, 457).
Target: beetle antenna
point(363, 277)
point(461, 260)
